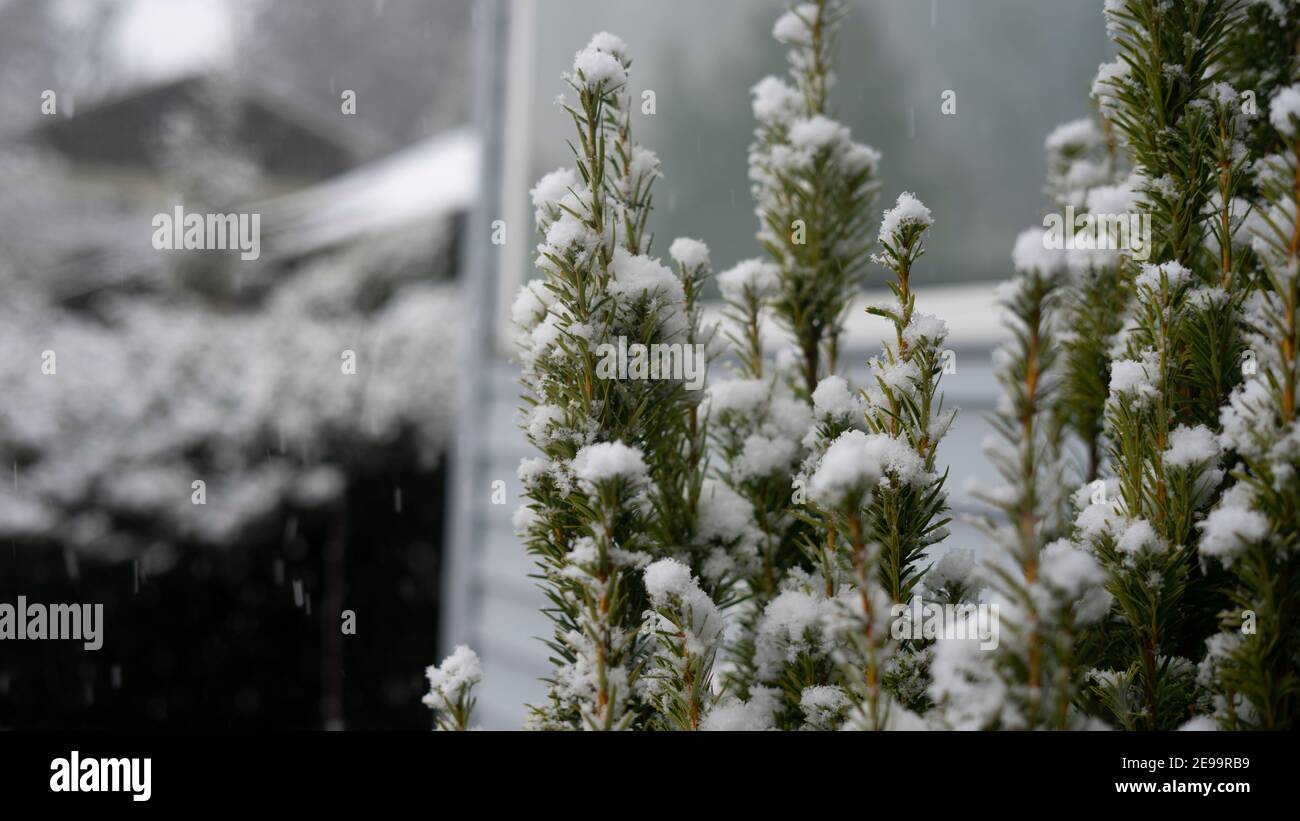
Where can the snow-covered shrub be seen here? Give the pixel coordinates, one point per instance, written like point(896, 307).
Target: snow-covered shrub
point(620, 477)
point(112, 422)
point(813, 189)
point(791, 436)
point(1171, 371)
point(451, 689)
point(1177, 357)
point(1046, 589)
point(1254, 529)
point(753, 561)
point(752, 551)
point(688, 627)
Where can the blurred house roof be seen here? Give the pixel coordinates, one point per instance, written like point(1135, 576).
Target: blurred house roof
point(286, 138)
point(438, 177)
point(338, 191)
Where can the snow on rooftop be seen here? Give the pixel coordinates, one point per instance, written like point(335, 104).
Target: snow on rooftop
point(431, 179)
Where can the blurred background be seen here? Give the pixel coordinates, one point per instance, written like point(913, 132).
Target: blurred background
point(379, 140)
point(323, 489)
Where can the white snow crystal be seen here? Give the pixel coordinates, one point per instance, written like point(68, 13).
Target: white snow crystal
point(667, 577)
point(820, 703)
point(1104, 85)
point(1093, 605)
point(855, 462)
point(644, 165)
point(1284, 108)
point(833, 398)
point(528, 308)
point(523, 519)
point(741, 395)
point(530, 470)
point(823, 697)
point(460, 669)
point(724, 513)
point(1112, 199)
point(1223, 94)
point(605, 461)
point(691, 253)
point(818, 133)
point(1206, 298)
point(610, 44)
point(965, 682)
point(552, 188)
point(925, 328)
point(1239, 416)
point(1136, 378)
point(1199, 724)
point(1137, 535)
point(760, 276)
point(636, 275)
point(1190, 446)
point(1228, 528)
point(1093, 520)
point(795, 25)
point(955, 567)
point(732, 715)
point(856, 158)
point(545, 335)
point(784, 630)
point(671, 586)
point(789, 417)
point(901, 375)
point(1152, 276)
point(568, 231)
point(775, 100)
point(1077, 134)
point(567, 235)
point(1068, 569)
point(540, 422)
point(764, 455)
point(908, 210)
point(1030, 253)
point(598, 68)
